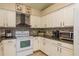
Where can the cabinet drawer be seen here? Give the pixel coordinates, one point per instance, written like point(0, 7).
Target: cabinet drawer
point(69, 46)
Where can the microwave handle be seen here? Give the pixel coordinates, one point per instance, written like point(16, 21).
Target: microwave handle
point(70, 34)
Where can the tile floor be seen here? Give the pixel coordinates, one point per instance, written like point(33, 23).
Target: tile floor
point(39, 53)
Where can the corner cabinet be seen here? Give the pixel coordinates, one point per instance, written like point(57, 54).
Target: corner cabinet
point(8, 18)
point(53, 47)
point(35, 21)
point(35, 44)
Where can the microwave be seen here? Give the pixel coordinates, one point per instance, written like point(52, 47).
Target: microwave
point(66, 35)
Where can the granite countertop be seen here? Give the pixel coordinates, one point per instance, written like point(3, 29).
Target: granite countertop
point(6, 38)
point(51, 38)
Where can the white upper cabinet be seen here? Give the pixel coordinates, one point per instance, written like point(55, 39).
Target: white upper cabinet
point(56, 19)
point(11, 19)
point(43, 22)
point(59, 18)
point(68, 15)
point(1, 18)
point(8, 18)
point(63, 17)
point(35, 21)
point(49, 20)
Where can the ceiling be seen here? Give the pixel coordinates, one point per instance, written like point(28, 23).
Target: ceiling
point(39, 6)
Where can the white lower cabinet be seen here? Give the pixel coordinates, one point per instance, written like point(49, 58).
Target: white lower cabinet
point(52, 47)
point(41, 43)
point(61, 49)
point(1, 50)
point(45, 46)
point(66, 51)
point(35, 44)
point(9, 47)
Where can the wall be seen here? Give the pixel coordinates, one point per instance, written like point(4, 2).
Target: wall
point(76, 30)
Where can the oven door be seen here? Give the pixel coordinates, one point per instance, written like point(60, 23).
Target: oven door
point(24, 43)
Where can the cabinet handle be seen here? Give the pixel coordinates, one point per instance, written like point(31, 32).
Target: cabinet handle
point(7, 25)
point(60, 50)
point(43, 43)
point(57, 48)
point(4, 24)
point(15, 45)
point(63, 23)
point(60, 23)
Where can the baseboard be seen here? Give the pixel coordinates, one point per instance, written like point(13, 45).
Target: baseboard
point(40, 51)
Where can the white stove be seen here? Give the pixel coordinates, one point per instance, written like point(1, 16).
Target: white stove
point(24, 43)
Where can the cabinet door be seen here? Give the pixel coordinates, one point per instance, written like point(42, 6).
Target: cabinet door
point(46, 47)
point(41, 43)
point(1, 49)
point(11, 19)
point(43, 21)
point(32, 21)
point(35, 21)
point(53, 19)
point(60, 18)
point(66, 52)
point(35, 44)
point(56, 19)
point(50, 20)
point(9, 47)
point(54, 49)
point(2, 18)
point(8, 18)
point(68, 16)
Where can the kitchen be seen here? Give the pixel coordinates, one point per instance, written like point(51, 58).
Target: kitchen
point(29, 30)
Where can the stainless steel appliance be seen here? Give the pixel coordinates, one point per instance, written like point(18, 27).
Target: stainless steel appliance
point(9, 33)
point(55, 34)
point(67, 35)
point(24, 43)
point(22, 20)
